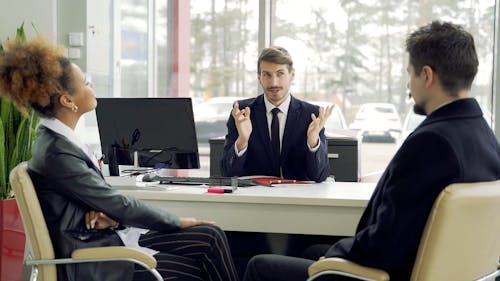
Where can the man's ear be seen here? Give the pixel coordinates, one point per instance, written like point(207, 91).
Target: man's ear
point(429, 75)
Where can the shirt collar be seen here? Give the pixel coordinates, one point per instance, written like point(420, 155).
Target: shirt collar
point(59, 127)
point(283, 106)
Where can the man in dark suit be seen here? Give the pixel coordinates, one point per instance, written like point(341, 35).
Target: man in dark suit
point(453, 144)
point(298, 149)
point(284, 136)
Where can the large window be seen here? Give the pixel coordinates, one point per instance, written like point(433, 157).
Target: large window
point(349, 53)
point(352, 52)
point(134, 48)
point(223, 48)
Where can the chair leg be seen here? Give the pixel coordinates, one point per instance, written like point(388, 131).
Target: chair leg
point(26, 272)
point(34, 273)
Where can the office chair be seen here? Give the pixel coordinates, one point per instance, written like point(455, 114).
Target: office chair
point(461, 240)
point(39, 249)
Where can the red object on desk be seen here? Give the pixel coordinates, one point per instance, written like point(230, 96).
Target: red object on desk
point(219, 190)
point(271, 181)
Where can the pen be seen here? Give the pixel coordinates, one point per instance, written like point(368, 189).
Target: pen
point(281, 181)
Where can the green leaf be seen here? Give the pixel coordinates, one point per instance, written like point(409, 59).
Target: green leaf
point(9, 126)
point(21, 144)
point(4, 108)
point(34, 28)
point(17, 133)
point(20, 34)
point(3, 163)
point(34, 119)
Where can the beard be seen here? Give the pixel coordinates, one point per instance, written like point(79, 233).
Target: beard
point(417, 108)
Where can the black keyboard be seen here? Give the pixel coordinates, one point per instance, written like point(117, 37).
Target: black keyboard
point(212, 181)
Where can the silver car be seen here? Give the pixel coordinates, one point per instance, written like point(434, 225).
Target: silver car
point(377, 121)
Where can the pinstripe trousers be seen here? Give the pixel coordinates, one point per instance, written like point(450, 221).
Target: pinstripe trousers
point(195, 253)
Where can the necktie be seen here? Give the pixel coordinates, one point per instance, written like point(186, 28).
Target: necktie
point(275, 140)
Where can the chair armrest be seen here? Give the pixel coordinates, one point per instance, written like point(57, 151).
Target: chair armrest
point(114, 252)
point(342, 265)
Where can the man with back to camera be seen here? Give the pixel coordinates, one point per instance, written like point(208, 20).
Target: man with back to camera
point(276, 134)
point(453, 144)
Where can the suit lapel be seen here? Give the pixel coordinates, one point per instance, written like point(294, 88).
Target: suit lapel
point(260, 124)
point(86, 158)
point(291, 119)
point(76, 150)
point(89, 161)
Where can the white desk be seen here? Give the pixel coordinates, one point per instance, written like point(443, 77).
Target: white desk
point(329, 208)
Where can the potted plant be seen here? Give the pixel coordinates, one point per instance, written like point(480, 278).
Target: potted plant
point(17, 133)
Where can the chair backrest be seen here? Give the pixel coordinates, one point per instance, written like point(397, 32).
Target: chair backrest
point(461, 240)
point(34, 223)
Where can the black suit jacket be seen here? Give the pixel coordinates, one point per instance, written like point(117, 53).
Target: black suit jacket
point(297, 161)
point(68, 185)
point(453, 144)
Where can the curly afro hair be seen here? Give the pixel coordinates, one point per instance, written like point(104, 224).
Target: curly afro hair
point(34, 74)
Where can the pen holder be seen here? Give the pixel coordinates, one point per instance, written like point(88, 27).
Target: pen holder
point(113, 162)
point(234, 183)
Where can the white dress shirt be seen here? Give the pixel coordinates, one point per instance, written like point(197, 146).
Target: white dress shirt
point(282, 115)
point(283, 107)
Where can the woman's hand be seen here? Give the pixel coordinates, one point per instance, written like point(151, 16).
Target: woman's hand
point(99, 220)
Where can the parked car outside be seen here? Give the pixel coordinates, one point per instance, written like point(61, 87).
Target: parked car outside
point(377, 121)
point(411, 122)
point(197, 100)
point(336, 125)
point(210, 117)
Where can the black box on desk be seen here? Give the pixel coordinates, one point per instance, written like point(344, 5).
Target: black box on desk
point(344, 157)
point(216, 150)
point(343, 154)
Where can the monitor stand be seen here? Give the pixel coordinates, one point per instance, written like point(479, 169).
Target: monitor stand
point(114, 170)
point(136, 159)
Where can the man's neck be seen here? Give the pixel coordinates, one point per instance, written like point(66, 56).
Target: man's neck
point(443, 99)
point(287, 98)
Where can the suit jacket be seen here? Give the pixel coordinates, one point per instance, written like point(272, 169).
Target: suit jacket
point(297, 161)
point(453, 144)
point(68, 185)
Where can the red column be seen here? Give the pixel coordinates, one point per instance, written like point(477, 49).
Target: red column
point(181, 55)
point(181, 47)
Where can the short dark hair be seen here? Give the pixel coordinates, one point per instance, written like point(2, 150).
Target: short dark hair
point(275, 54)
point(449, 50)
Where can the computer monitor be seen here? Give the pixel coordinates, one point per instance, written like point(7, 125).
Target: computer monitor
point(155, 132)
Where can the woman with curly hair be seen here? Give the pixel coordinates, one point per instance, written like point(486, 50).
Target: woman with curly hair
point(80, 208)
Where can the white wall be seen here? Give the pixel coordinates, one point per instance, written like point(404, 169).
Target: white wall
point(99, 42)
point(42, 13)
